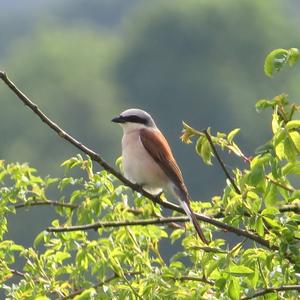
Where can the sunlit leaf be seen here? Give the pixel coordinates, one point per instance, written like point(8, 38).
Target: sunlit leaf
point(232, 134)
point(234, 289)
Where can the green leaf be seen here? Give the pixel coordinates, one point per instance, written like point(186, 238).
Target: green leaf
point(294, 56)
point(61, 256)
point(232, 134)
point(263, 103)
point(275, 122)
point(260, 226)
point(272, 222)
point(292, 124)
point(277, 58)
point(199, 144)
point(295, 137)
point(39, 238)
point(256, 175)
point(270, 198)
point(206, 152)
point(254, 278)
point(291, 168)
point(290, 149)
point(213, 264)
point(176, 234)
point(270, 211)
point(275, 61)
point(234, 289)
point(86, 295)
point(240, 270)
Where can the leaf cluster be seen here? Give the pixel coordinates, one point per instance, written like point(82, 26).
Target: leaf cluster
point(126, 262)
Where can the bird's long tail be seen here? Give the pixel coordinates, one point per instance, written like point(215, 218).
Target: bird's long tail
point(185, 204)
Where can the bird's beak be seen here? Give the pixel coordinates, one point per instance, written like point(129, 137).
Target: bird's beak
point(118, 119)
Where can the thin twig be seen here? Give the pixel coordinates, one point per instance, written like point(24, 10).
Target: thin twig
point(97, 285)
point(18, 273)
point(290, 208)
point(96, 157)
point(193, 278)
point(289, 189)
point(273, 290)
point(97, 225)
point(45, 202)
point(284, 208)
point(262, 273)
point(221, 162)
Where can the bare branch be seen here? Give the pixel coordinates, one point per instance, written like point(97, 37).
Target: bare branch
point(115, 276)
point(221, 162)
point(45, 202)
point(288, 188)
point(143, 222)
point(18, 273)
point(284, 208)
point(96, 157)
point(194, 278)
point(273, 290)
point(290, 208)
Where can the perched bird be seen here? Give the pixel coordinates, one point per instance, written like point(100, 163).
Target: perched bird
point(149, 161)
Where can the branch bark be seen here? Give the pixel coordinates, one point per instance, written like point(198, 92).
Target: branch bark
point(96, 157)
point(17, 273)
point(221, 162)
point(143, 222)
point(273, 290)
point(45, 202)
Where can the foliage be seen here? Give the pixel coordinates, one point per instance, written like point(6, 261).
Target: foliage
point(280, 57)
point(125, 262)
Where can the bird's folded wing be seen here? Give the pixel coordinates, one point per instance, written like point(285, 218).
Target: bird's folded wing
point(158, 148)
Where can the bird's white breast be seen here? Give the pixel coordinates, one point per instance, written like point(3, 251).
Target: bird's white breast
point(139, 166)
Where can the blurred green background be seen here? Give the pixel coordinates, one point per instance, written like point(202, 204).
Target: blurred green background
point(83, 62)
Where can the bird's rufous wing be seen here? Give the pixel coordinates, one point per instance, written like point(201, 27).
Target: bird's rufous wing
point(158, 148)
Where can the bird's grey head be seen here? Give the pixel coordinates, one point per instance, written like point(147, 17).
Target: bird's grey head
point(134, 118)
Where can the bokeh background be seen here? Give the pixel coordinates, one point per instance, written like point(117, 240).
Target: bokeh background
point(83, 62)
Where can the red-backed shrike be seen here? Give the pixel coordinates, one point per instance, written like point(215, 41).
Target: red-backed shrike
point(149, 162)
